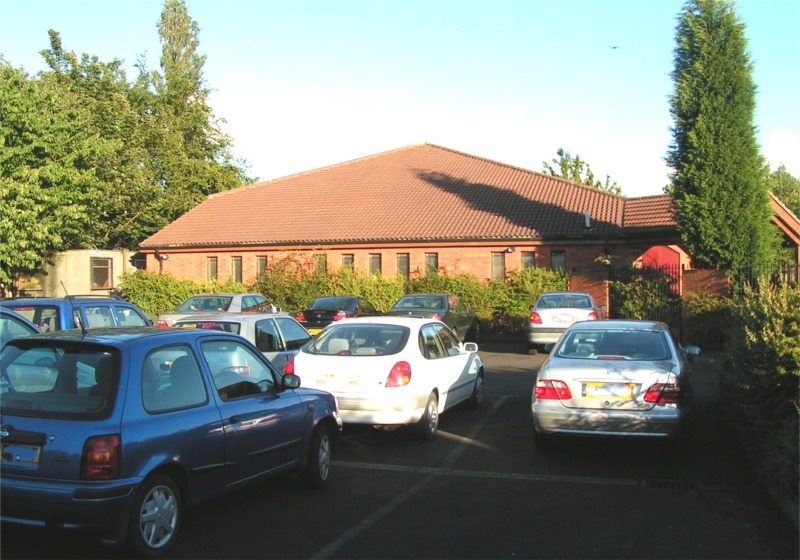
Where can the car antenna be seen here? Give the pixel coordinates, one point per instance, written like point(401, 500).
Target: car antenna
point(84, 332)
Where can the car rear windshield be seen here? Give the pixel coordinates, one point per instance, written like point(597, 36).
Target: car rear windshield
point(360, 340)
point(58, 381)
point(46, 317)
point(565, 302)
point(226, 326)
point(334, 304)
point(621, 344)
point(206, 303)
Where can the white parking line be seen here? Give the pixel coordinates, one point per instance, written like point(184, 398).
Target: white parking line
point(464, 442)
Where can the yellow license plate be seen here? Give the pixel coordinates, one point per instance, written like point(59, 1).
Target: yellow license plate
point(18, 453)
point(314, 332)
point(620, 391)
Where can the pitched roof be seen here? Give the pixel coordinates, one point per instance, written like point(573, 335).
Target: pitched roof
point(417, 193)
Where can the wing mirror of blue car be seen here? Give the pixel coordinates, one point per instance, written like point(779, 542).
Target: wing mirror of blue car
point(290, 381)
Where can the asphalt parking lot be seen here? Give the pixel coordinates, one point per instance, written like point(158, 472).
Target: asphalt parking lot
point(482, 490)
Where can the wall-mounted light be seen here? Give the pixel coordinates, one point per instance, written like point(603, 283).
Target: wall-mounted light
point(509, 249)
point(160, 256)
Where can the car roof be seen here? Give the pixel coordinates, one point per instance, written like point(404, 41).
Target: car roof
point(122, 336)
point(68, 299)
point(565, 294)
point(226, 294)
point(387, 320)
point(232, 316)
point(605, 324)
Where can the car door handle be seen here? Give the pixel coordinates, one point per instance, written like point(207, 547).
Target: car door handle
point(236, 419)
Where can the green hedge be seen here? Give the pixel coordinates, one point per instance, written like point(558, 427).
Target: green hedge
point(291, 284)
point(762, 380)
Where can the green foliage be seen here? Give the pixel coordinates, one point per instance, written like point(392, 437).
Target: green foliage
point(786, 187)
point(646, 293)
point(719, 183)
point(89, 160)
point(707, 321)
point(156, 293)
point(578, 171)
point(763, 379)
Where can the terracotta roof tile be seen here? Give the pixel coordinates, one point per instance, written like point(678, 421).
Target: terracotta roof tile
point(417, 193)
point(649, 213)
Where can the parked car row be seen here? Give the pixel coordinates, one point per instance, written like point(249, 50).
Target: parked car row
point(119, 430)
point(71, 312)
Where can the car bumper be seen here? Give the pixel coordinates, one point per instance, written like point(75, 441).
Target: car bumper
point(544, 336)
point(96, 506)
point(367, 410)
point(660, 421)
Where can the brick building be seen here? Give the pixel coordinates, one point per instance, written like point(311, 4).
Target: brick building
point(411, 210)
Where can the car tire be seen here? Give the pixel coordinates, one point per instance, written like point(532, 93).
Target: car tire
point(476, 399)
point(429, 423)
point(155, 517)
point(318, 462)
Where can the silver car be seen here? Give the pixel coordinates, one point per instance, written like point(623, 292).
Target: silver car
point(278, 335)
point(216, 303)
point(613, 378)
point(554, 312)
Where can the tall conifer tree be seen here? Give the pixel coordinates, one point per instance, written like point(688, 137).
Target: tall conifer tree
point(719, 178)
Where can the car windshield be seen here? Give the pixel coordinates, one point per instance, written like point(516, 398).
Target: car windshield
point(360, 340)
point(424, 302)
point(618, 344)
point(206, 303)
point(69, 381)
point(227, 326)
point(564, 301)
point(334, 303)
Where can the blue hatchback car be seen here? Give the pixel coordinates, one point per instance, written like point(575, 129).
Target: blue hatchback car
point(117, 430)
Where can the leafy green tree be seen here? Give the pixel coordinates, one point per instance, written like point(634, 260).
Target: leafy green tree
point(190, 156)
point(46, 169)
point(786, 187)
point(578, 171)
point(719, 180)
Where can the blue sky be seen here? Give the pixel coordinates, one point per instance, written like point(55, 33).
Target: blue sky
point(307, 83)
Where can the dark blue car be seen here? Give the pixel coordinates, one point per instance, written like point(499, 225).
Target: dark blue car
point(118, 430)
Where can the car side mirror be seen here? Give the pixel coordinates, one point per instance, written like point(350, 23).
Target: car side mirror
point(470, 347)
point(290, 381)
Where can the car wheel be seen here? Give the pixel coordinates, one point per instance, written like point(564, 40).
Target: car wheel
point(155, 517)
point(318, 462)
point(476, 400)
point(429, 423)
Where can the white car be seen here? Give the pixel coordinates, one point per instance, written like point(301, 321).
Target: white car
point(392, 371)
point(278, 335)
point(554, 312)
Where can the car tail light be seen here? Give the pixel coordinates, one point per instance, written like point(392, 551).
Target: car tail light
point(400, 375)
point(592, 316)
point(663, 393)
point(300, 317)
point(552, 389)
point(162, 324)
point(437, 317)
point(239, 370)
point(289, 367)
point(339, 316)
point(101, 458)
point(535, 318)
